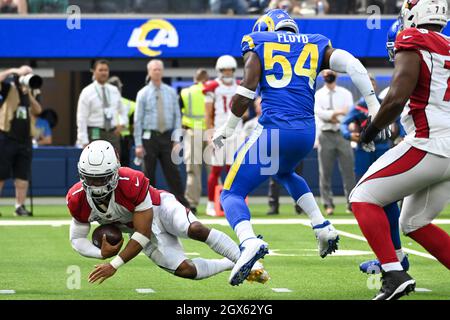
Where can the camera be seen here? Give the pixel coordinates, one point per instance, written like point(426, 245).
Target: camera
point(32, 81)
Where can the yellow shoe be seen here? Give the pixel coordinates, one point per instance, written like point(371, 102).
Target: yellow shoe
point(258, 274)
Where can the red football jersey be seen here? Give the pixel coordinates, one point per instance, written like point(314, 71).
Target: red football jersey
point(426, 117)
point(131, 191)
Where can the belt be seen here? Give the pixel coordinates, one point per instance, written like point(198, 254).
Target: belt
point(101, 129)
point(330, 130)
point(158, 133)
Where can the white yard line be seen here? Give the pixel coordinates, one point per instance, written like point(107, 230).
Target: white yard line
point(281, 290)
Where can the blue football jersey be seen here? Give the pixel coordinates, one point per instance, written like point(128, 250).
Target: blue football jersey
point(290, 63)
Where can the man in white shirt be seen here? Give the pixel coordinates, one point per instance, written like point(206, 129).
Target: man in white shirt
point(332, 102)
point(100, 113)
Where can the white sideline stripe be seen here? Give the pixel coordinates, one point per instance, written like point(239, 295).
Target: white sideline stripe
point(222, 222)
point(281, 290)
point(7, 291)
point(411, 251)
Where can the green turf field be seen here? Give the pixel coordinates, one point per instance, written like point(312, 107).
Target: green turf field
point(38, 263)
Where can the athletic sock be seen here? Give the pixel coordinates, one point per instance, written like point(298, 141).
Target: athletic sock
point(310, 207)
point(400, 254)
point(244, 230)
point(435, 240)
point(393, 266)
point(374, 225)
point(209, 267)
point(393, 214)
point(223, 245)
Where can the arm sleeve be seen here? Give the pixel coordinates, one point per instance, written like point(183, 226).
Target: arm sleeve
point(80, 243)
point(82, 117)
point(343, 61)
point(139, 118)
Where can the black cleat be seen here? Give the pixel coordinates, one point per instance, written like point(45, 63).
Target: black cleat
point(298, 209)
point(395, 284)
point(22, 212)
point(273, 209)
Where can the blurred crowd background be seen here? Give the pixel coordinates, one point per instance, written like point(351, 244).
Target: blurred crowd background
point(228, 7)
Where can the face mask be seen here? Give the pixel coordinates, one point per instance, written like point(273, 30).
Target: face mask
point(227, 80)
point(330, 78)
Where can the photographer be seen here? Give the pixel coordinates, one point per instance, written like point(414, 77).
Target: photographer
point(16, 107)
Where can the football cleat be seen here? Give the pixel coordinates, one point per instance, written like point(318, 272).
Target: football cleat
point(252, 250)
point(210, 209)
point(374, 266)
point(327, 238)
point(395, 284)
point(258, 273)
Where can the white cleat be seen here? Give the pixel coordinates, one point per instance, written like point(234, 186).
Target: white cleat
point(210, 209)
point(327, 238)
point(258, 274)
point(252, 250)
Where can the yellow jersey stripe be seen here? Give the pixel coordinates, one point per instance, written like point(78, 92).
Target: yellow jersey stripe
point(240, 157)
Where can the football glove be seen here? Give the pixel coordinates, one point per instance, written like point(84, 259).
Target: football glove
point(221, 134)
point(369, 133)
point(226, 130)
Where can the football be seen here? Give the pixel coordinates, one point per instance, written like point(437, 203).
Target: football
point(113, 235)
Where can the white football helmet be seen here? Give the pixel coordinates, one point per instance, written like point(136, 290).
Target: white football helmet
point(419, 12)
point(98, 168)
point(226, 62)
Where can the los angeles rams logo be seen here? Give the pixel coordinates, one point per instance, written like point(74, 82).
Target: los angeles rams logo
point(166, 36)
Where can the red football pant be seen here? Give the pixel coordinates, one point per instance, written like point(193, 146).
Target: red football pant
point(435, 240)
point(374, 225)
point(213, 179)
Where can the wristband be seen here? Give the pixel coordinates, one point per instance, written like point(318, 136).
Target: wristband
point(117, 262)
point(233, 121)
point(243, 91)
point(140, 238)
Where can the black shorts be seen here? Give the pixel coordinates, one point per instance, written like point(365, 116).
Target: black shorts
point(15, 159)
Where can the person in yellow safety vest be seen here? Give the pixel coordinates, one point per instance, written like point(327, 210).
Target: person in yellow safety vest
point(126, 136)
point(193, 123)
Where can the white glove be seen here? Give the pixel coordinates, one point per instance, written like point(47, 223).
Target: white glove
point(368, 147)
point(221, 134)
point(225, 131)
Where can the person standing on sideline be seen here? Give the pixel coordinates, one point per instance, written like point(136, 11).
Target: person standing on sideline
point(17, 104)
point(156, 117)
point(98, 107)
point(332, 103)
point(194, 125)
point(126, 137)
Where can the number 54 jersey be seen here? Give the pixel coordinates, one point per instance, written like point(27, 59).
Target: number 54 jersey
point(289, 66)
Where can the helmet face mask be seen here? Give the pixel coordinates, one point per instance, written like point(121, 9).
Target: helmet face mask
point(99, 187)
point(98, 169)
